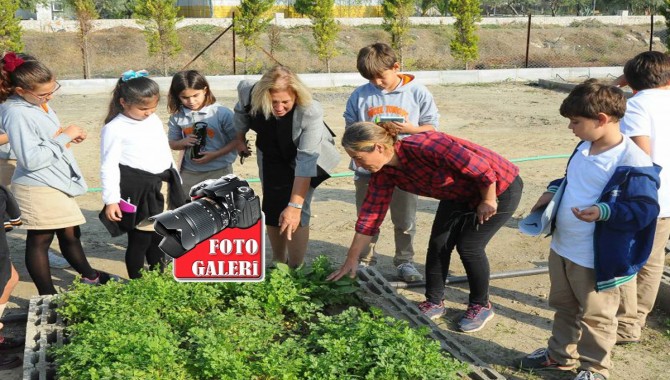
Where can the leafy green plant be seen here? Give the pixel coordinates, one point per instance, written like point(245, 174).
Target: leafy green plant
point(85, 13)
point(464, 44)
point(362, 345)
point(396, 21)
point(251, 22)
point(10, 28)
point(157, 328)
point(324, 27)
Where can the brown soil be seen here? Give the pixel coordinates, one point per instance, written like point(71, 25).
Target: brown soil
point(514, 119)
point(114, 51)
point(517, 120)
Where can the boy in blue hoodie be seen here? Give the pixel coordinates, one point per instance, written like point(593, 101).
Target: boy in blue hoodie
point(390, 93)
point(602, 233)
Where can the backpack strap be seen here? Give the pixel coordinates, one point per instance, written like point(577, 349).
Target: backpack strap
point(329, 130)
point(247, 108)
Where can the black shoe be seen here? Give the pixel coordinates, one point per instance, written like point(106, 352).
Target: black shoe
point(9, 362)
point(9, 344)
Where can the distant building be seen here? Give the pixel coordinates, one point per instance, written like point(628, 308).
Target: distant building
point(52, 10)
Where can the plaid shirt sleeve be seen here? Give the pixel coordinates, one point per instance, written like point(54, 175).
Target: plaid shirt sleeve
point(375, 205)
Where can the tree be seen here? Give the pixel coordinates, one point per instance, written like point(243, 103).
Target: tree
point(555, 5)
point(664, 10)
point(324, 27)
point(516, 6)
point(10, 27)
point(251, 22)
point(85, 12)
point(425, 5)
point(442, 6)
point(115, 8)
point(30, 5)
point(464, 43)
point(396, 22)
point(159, 18)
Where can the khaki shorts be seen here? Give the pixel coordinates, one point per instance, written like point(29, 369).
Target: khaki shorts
point(45, 208)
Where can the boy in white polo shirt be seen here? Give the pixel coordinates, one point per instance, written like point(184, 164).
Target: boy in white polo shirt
point(647, 123)
point(602, 233)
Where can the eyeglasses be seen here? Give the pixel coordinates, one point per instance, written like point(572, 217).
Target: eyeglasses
point(43, 97)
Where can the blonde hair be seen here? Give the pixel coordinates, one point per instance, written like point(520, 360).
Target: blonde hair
point(278, 78)
point(362, 136)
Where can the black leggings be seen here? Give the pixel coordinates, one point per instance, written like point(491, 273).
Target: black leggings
point(143, 244)
point(455, 226)
point(37, 259)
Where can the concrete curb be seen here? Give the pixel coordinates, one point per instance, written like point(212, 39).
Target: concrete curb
point(567, 87)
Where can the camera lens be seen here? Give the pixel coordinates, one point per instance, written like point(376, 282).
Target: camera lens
point(190, 224)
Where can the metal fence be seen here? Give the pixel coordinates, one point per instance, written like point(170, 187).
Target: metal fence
point(584, 43)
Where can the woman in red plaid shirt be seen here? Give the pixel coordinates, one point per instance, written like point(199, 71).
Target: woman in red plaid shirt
point(478, 191)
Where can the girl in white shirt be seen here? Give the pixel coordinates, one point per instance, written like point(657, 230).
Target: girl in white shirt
point(135, 161)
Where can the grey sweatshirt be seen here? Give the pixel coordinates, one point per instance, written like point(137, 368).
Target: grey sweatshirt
point(410, 99)
point(41, 153)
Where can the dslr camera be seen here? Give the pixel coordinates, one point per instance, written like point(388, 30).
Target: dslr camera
point(216, 204)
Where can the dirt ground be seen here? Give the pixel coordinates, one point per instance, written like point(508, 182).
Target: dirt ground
point(517, 120)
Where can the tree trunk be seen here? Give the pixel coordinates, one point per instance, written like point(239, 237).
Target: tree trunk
point(84, 56)
point(513, 9)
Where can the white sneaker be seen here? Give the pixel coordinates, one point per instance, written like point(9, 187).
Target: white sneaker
point(588, 375)
point(408, 273)
point(363, 265)
point(57, 262)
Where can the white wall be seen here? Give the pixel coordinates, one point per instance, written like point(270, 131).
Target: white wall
point(71, 25)
point(229, 82)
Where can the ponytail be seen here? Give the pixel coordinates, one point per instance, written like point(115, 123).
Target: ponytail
point(362, 136)
point(21, 70)
point(133, 88)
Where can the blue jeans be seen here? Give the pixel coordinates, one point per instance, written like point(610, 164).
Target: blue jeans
point(455, 226)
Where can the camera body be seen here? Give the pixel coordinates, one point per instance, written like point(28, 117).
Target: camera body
point(200, 132)
point(216, 204)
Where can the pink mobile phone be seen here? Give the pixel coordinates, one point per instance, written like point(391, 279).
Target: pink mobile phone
point(127, 207)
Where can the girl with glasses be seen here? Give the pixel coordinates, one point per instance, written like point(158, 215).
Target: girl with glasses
point(47, 178)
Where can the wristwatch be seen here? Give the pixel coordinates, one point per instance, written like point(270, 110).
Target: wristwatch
point(295, 205)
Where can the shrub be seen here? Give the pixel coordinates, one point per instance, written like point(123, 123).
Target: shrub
point(157, 328)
